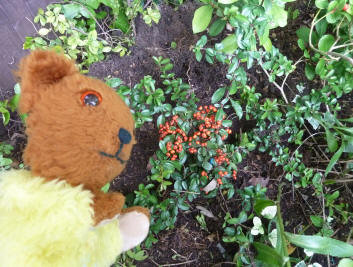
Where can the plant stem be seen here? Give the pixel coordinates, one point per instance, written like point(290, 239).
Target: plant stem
point(329, 53)
point(281, 226)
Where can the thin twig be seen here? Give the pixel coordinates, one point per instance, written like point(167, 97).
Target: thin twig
point(328, 53)
point(35, 28)
point(275, 83)
point(177, 264)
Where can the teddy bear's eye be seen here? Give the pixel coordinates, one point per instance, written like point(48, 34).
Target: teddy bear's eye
point(91, 98)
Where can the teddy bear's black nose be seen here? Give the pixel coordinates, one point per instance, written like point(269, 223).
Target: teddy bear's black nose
point(124, 136)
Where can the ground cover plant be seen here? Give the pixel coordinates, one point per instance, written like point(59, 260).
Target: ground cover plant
point(86, 30)
point(244, 122)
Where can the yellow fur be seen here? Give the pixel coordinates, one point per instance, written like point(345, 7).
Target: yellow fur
point(51, 224)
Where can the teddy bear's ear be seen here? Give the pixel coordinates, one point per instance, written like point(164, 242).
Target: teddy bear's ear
point(38, 70)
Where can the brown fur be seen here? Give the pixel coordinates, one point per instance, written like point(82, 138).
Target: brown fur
point(65, 138)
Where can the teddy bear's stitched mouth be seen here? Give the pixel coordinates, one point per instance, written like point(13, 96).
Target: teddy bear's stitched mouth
point(116, 156)
point(125, 138)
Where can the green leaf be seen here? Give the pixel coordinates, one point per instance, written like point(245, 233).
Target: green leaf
point(227, 123)
point(105, 188)
point(202, 18)
point(266, 42)
point(279, 16)
point(43, 31)
point(321, 245)
point(217, 27)
point(122, 21)
point(260, 204)
point(331, 140)
point(5, 116)
point(227, 2)
point(301, 44)
point(314, 122)
point(334, 159)
point(219, 115)
point(303, 33)
point(268, 255)
point(309, 72)
point(207, 166)
point(92, 3)
point(218, 95)
point(71, 10)
point(237, 108)
point(321, 27)
point(317, 220)
point(345, 263)
point(326, 42)
point(320, 66)
point(322, 4)
point(229, 44)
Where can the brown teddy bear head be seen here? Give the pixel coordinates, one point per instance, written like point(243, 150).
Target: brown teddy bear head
point(78, 128)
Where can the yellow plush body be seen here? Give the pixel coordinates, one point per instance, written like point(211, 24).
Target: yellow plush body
point(50, 223)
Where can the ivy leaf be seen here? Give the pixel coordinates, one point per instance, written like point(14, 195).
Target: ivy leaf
point(202, 18)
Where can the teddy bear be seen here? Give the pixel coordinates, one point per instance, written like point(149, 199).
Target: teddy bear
point(80, 136)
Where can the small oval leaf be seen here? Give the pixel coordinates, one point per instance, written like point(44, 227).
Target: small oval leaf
point(326, 42)
point(202, 18)
point(218, 95)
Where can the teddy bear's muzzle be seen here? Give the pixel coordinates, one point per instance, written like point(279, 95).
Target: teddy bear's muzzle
point(125, 138)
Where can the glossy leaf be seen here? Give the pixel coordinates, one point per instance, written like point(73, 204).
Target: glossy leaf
point(202, 18)
point(227, 2)
point(217, 27)
point(230, 44)
point(326, 42)
point(334, 159)
point(321, 245)
point(218, 95)
point(237, 108)
point(268, 255)
point(322, 4)
point(331, 140)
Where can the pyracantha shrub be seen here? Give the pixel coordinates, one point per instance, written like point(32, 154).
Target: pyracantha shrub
point(199, 143)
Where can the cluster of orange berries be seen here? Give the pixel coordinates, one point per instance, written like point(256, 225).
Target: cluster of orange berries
point(204, 173)
point(173, 149)
point(206, 125)
point(221, 157)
